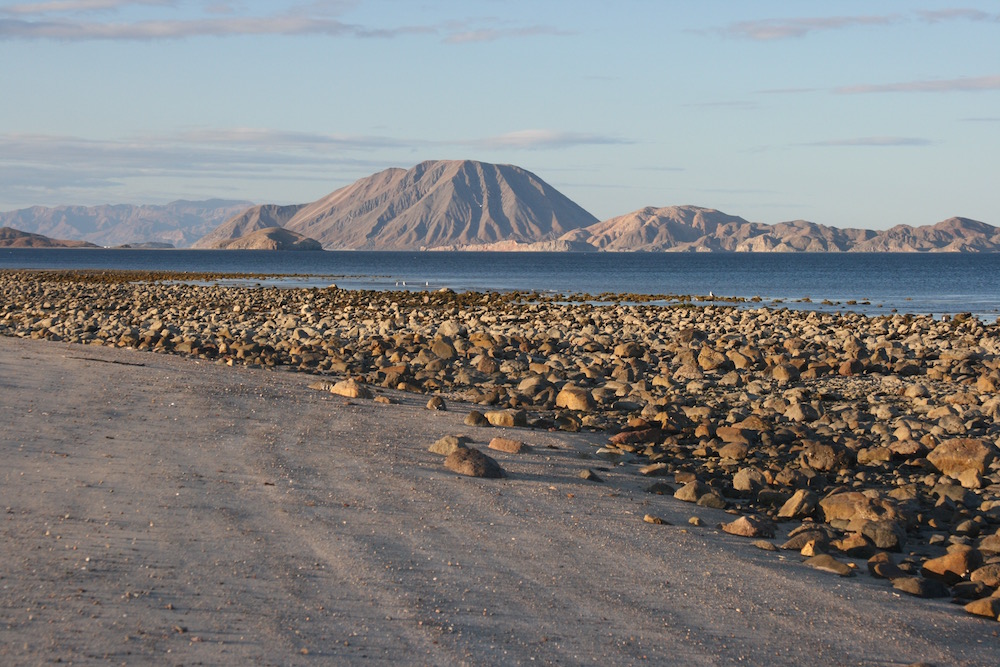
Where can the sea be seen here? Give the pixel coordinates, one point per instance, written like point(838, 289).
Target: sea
point(937, 284)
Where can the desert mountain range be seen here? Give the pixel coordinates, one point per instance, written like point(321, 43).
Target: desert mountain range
point(469, 205)
point(178, 223)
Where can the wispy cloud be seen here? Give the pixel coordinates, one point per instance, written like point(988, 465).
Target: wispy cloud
point(49, 20)
point(765, 30)
point(494, 34)
point(536, 139)
point(873, 141)
point(773, 29)
point(966, 84)
point(76, 6)
point(939, 15)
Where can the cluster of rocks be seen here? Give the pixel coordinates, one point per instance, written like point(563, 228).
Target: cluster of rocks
point(877, 434)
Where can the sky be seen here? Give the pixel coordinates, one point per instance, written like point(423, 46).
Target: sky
point(851, 114)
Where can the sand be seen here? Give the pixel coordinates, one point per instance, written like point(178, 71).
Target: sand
point(164, 510)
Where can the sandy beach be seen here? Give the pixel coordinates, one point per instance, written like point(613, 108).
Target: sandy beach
point(159, 509)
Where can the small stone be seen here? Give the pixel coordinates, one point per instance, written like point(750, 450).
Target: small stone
point(473, 463)
point(920, 587)
point(590, 476)
point(660, 489)
point(476, 418)
point(436, 403)
point(987, 574)
point(882, 566)
point(802, 504)
point(508, 418)
point(749, 526)
point(508, 445)
point(448, 444)
point(828, 563)
point(813, 548)
point(696, 521)
point(649, 518)
point(765, 545)
point(350, 388)
point(988, 607)
point(654, 470)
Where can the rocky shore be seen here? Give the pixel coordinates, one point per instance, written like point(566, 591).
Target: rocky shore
point(874, 438)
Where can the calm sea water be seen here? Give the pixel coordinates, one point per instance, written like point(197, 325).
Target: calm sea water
point(910, 283)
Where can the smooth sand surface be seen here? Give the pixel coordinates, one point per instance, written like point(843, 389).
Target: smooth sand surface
point(161, 510)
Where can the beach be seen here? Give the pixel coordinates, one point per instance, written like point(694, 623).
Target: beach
point(217, 503)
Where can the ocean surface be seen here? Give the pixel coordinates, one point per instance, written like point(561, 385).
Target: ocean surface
point(938, 284)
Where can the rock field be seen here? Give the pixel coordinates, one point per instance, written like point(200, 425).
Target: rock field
point(877, 436)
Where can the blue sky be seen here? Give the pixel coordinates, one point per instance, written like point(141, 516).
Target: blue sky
point(853, 114)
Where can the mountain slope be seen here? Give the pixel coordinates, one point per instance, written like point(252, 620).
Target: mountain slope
point(269, 238)
point(251, 220)
point(179, 223)
point(440, 203)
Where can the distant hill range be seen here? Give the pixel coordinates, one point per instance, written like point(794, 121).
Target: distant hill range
point(15, 238)
point(178, 223)
point(469, 205)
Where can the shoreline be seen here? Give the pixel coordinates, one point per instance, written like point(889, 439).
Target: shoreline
point(161, 508)
point(835, 428)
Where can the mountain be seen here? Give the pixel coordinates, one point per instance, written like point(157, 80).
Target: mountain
point(951, 235)
point(251, 220)
point(270, 238)
point(653, 229)
point(179, 223)
point(15, 238)
point(696, 229)
point(446, 203)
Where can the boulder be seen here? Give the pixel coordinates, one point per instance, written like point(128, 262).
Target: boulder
point(350, 388)
point(962, 455)
point(576, 398)
point(473, 463)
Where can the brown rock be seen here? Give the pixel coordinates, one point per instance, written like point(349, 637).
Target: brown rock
point(649, 518)
point(350, 388)
point(473, 463)
point(958, 455)
point(882, 566)
point(508, 418)
point(953, 566)
point(921, 588)
point(576, 398)
point(987, 574)
point(448, 444)
point(828, 563)
point(436, 403)
point(785, 373)
point(476, 418)
point(988, 607)
point(749, 526)
point(802, 504)
point(507, 445)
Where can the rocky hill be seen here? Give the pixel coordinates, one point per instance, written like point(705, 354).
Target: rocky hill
point(695, 229)
point(15, 238)
point(447, 203)
point(178, 223)
point(270, 238)
point(251, 220)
